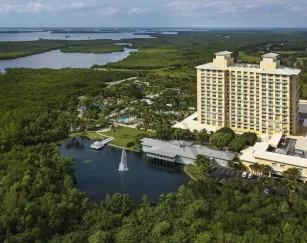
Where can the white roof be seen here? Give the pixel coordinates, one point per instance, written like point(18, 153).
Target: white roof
point(275, 139)
point(171, 148)
point(270, 55)
point(301, 144)
point(260, 152)
point(281, 70)
point(285, 159)
point(211, 66)
point(223, 53)
point(192, 124)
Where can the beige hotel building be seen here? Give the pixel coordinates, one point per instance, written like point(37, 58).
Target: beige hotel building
point(248, 97)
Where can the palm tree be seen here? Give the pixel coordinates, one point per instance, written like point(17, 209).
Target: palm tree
point(113, 128)
point(265, 169)
point(252, 167)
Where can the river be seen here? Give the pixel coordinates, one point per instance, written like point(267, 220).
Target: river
point(99, 176)
point(57, 59)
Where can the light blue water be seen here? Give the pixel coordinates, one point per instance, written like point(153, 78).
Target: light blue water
point(126, 119)
point(57, 59)
point(73, 36)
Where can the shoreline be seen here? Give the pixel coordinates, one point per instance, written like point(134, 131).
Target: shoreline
point(113, 145)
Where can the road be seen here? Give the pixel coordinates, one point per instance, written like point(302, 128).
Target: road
point(110, 84)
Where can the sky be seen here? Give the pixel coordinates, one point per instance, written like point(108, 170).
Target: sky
point(153, 13)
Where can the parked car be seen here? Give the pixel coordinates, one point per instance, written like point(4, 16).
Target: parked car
point(223, 180)
point(266, 191)
point(250, 176)
point(244, 174)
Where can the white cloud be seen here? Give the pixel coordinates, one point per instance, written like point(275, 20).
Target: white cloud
point(37, 7)
point(138, 11)
point(237, 7)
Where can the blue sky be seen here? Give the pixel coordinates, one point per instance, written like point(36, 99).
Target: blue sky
point(153, 13)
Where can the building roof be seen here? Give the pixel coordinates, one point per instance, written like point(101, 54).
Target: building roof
point(275, 139)
point(281, 70)
point(301, 144)
point(211, 66)
point(259, 151)
point(270, 55)
point(223, 53)
point(171, 148)
point(191, 123)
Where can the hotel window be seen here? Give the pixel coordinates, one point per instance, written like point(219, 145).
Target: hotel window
point(282, 165)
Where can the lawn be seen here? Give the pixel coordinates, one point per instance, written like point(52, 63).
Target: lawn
point(192, 171)
point(124, 135)
point(285, 52)
point(247, 58)
point(90, 135)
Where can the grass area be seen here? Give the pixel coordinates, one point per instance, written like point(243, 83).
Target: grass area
point(192, 171)
point(94, 48)
point(285, 52)
point(90, 135)
point(124, 135)
point(248, 58)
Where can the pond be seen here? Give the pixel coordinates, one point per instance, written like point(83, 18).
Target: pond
point(57, 59)
point(97, 172)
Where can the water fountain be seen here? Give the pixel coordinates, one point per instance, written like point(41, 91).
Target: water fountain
point(123, 163)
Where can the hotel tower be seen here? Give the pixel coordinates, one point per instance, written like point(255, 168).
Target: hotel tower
point(248, 97)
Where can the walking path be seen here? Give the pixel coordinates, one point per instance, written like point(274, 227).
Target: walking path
point(110, 84)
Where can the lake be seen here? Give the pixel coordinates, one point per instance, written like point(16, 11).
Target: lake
point(31, 36)
point(101, 176)
point(57, 59)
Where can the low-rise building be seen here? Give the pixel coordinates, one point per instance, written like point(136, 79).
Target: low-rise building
point(183, 152)
point(280, 153)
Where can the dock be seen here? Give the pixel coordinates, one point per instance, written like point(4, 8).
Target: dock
point(100, 144)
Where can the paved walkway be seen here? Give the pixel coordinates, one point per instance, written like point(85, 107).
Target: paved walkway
point(131, 126)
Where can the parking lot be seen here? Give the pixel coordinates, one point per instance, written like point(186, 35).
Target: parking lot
point(219, 173)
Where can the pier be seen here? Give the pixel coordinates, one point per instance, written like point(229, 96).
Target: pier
point(100, 144)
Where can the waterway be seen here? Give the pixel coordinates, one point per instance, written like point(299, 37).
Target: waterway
point(32, 36)
point(57, 59)
point(97, 172)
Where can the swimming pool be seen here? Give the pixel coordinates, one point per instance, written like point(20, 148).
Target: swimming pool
point(126, 119)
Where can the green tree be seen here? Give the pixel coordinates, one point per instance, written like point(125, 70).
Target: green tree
point(202, 136)
point(237, 143)
point(250, 138)
point(204, 165)
point(226, 130)
point(220, 140)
